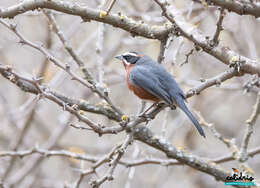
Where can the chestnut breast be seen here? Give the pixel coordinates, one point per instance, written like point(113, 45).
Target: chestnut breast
point(138, 91)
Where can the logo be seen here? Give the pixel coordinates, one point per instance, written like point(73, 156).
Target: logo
point(240, 179)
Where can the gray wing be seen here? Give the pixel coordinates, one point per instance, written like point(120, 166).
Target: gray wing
point(143, 78)
point(171, 86)
point(167, 82)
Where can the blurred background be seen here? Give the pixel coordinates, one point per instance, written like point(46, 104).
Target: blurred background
point(227, 106)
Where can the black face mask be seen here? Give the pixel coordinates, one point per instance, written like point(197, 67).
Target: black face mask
point(131, 59)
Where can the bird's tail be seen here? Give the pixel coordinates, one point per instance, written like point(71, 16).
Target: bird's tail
point(182, 105)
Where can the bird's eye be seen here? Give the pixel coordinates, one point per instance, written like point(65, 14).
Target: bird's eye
point(127, 57)
point(131, 59)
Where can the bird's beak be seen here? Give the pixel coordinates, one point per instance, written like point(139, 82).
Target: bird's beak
point(119, 57)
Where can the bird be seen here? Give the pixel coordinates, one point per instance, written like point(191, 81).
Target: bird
point(235, 170)
point(150, 81)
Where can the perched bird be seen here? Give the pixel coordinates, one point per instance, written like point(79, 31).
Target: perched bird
point(235, 170)
point(150, 81)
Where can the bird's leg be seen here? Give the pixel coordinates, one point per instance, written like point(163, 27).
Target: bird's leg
point(143, 114)
point(142, 108)
point(173, 107)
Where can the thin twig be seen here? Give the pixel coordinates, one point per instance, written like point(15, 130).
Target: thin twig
point(239, 7)
point(217, 80)
point(61, 65)
point(36, 161)
point(161, 55)
point(44, 92)
point(125, 162)
point(144, 135)
point(187, 57)
point(110, 6)
point(229, 143)
point(67, 46)
point(215, 39)
point(18, 141)
point(224, 54)
point(243, 155)
point(104, 159)
point(119, 153)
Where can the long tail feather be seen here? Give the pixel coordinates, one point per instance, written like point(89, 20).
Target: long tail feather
point(182, 105)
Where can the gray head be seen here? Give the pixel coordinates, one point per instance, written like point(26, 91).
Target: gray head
point(129, 58)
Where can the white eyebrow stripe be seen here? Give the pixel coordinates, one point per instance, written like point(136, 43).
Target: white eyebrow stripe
point(129, 53)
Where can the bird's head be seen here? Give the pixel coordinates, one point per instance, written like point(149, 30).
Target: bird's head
point(235, 170)
point(129, 58)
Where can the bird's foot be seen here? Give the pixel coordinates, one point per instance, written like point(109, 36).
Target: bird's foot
point(147, 117)
point(173, 107)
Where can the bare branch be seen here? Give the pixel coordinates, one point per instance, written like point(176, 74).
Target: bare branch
point(215, 39)
point(224, 54)
point(18, 141)
point(143, 134)
point(230, 157)
point(217, 80)
point(228, 142)
point(187, 57)
point(253, 82)
point(68, 47)
point(101, 168)
point(75, 103)
point(35, 162)
point(125, 162)
point(43, 91)
point(239, 7)
point(120, 21)
point(61, 65)
point(163, 47)
point(104, 159)
point(114, 162)
point(243, 155)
